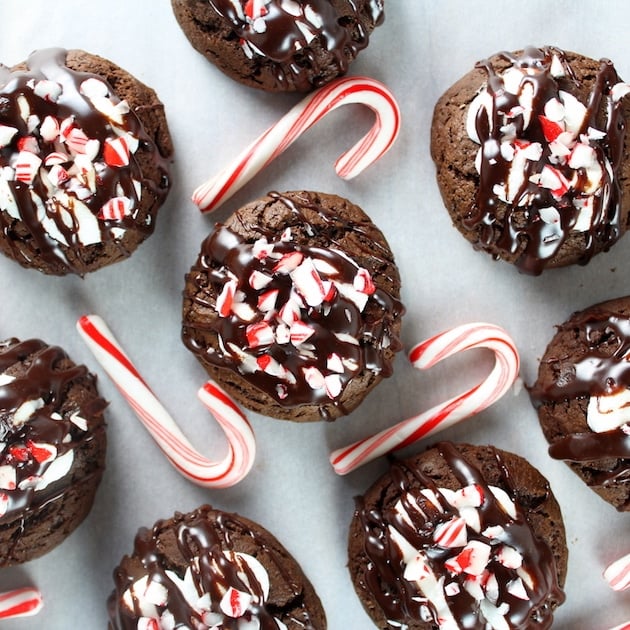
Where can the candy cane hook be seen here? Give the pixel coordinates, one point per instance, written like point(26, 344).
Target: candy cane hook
point(179, 451)
point(471, 402)
point(305, 114)
point(20, 602)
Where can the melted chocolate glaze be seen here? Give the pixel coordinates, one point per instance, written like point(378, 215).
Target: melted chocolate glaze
point(49, 64)
point(402, 601)
point(207, 535)
point(284, 36)
point(523, 223)
point(49, 376)
point(598, 372)
point(225, 251)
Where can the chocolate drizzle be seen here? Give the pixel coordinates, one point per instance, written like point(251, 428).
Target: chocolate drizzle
point(29, 238)
point(524, 228)
point(364, 339)
point(279, 35)
point(602, 369)
point(204, 543)
point(403, 602)
point(47, 376)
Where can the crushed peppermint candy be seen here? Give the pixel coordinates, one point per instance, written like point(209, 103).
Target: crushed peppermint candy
point(68, 166)
point(542, 154)
point(290, 318)
point(490, 568)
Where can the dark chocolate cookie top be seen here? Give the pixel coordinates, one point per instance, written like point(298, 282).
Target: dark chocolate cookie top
point(49, 408)
point(582, 395)
point(73, 166)
point(212, 569)
point(549, 128)
point(280, 45)
point(459, 537)
point(284, 302)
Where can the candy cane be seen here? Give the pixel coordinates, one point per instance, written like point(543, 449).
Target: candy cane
point(305, 114)
point(623, 626)
point(188, 461)
point(617, 574)
point(471, 402)
point(21, 602)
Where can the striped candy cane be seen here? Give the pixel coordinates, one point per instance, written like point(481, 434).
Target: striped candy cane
point(304, 115)
point(21, 602)
point(438, 418)
point(617, 574)
point(179, 451)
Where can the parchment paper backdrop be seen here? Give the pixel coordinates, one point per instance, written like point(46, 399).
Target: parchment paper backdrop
point(420, 50)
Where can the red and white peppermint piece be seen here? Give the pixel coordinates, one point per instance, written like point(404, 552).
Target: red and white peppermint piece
point(58, 175)
point(259, 334)
point(26, 167)
point(453, 533)
point(225, 299)
point(259, 280)
point(235, 603)
point(116, 152)
point(20, 602)
point(309, 283)
point(41, 451)
point(617, 574)
point(261, 249)
point(289, 313)
point(288, 262)
point(313, 377)
point(267, 301)
point(28, 143)
point(469, 403)
point(147, 623)
point(517, 589)
point(553, 179)
point(472, 560)
point(509, 557)
point(48, 90)
point(75, 139)
point(56, 157)
point(300, 118)
point(551, 129)
point(299, 332)
point(115, 209)
point(49, 129)
point(468, 496)
point(363, 282)
point(335, 364)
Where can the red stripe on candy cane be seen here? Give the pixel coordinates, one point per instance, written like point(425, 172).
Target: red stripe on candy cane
point(440, 417)
point(274, 141)
point(241, 452)
point(21, 602)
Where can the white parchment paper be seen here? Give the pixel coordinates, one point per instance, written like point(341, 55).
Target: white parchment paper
point(420, 50)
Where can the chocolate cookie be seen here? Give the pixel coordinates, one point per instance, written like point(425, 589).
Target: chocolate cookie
point(293, 306)
point(84, 151)
point(212, 569)
point(459, 536)
point(280, 45)
point(52, 447)
point(582, 395)
point(532, 159)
